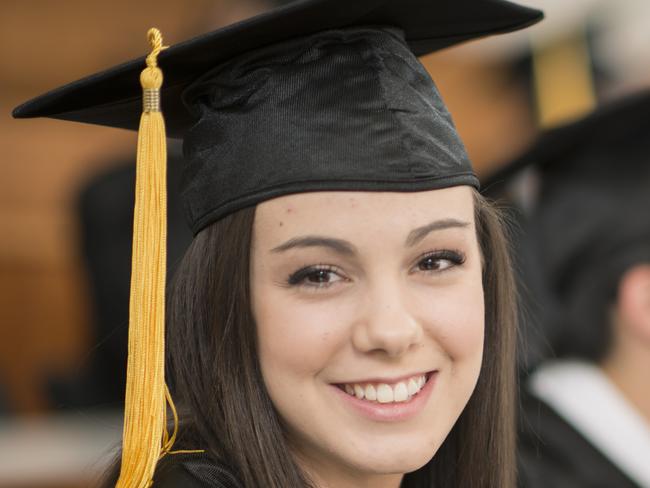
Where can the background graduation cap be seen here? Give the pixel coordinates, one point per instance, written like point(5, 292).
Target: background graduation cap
point(588, 222)
point(361, 112)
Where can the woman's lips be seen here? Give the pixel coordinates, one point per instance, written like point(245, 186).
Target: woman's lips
point(388, 402)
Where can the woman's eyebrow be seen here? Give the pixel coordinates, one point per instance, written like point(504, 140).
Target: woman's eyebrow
point(337, 245)
point(343, 247)
point(416, 235)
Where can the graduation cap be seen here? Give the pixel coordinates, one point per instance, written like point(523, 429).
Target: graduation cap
point(590, 219)
point(316, 95)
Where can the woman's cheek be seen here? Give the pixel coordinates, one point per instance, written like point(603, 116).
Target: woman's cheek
point(457, 321)
point(298, 334)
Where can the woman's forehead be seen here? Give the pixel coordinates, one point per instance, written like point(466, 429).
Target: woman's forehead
point(340, 211)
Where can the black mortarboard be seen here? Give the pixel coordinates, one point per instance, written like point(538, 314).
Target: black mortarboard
point(315, 95)
point(361, 111)
point(590, 220)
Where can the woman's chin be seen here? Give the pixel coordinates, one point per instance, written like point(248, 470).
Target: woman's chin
point(392, 461)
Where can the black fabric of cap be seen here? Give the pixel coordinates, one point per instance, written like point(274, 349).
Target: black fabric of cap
point(349, 109)
point(316, 95)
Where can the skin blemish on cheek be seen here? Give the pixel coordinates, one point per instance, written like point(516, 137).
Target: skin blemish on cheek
point(281, 224)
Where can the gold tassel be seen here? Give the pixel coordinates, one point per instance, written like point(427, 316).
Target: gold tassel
point(145, 434)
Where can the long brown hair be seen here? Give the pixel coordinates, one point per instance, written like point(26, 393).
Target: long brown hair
point(216, 375)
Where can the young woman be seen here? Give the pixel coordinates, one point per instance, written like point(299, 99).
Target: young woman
point(344, 315)
point(365, 333)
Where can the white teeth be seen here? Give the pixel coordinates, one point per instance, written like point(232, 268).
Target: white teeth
point(400, 392)
point(413, 387)
point(384, 393)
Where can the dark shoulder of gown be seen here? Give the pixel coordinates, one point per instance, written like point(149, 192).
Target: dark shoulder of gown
point(193, 471)
point(552, 454)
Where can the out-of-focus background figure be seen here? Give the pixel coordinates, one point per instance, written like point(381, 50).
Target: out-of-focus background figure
point(586, 407)
point(65, 226)
point(582, 244)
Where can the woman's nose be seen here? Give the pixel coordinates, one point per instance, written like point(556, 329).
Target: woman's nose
point(386, 324)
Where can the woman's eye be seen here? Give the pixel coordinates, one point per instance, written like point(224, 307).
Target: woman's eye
point(440, 260)
point(315, 277)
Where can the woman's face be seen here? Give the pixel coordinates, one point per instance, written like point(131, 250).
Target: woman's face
point(370, 317)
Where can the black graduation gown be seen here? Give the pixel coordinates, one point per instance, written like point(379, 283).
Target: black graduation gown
point(193, 471)
point(552, 454)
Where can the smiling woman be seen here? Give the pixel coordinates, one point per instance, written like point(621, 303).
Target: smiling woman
point(344, 316)
point(387, 313)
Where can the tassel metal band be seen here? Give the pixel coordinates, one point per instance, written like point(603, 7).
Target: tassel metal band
point(151, 100)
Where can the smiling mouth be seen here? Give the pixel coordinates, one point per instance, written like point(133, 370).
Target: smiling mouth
point(399, 392)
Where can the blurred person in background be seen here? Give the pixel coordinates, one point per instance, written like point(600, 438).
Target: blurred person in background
point(105, 208)
point(585, 53)
point(581, 250)
point(585, 252)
